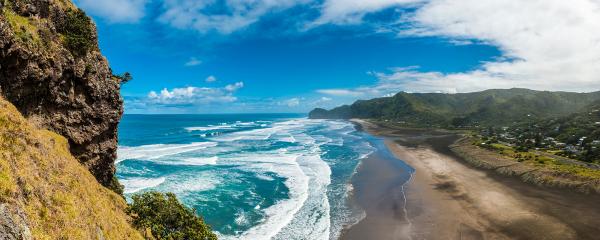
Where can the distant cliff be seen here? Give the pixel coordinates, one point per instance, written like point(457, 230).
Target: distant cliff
point(490, 107)
point(52, 70)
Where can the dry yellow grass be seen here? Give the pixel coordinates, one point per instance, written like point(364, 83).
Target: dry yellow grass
point(60, 198)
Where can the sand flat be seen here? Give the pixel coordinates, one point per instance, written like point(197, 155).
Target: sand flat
point(449, 199)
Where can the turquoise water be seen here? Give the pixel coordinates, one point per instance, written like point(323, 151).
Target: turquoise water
point(252, 176)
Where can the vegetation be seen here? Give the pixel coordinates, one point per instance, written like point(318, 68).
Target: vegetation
point(60, 197)
point(78, 32)
point(539, 160)
point(124, 78)
point(23, 27)
point(163, 217)
point(559, 123)
point(464, 110)
point(575, 136)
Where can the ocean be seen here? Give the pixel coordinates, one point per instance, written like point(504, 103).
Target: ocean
point(250, 176)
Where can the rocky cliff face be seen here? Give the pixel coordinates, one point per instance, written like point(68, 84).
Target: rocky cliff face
point(52, 70)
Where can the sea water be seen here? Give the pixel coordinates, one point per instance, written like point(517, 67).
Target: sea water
point(252, 176)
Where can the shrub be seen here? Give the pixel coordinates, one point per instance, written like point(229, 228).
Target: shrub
point(123, 78)
point(166, 218)
point(78, 32)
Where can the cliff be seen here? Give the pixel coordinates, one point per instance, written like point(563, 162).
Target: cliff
point(45, 193)
point(52, 71)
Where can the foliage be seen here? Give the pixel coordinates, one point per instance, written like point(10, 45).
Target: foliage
point(124, 78)
point(23, 27)
point(580, 130)
point(466, 110)
point(78, 32)
point(166, 218)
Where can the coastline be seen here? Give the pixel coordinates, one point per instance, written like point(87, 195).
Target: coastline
point(448, 198)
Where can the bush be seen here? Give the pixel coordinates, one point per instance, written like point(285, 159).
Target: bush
point(78, 32)
point(123, 78)
point(166, 218)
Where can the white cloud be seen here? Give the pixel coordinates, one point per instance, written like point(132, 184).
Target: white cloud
point(545, 45)
point(352, 11)
point(231, 16)
point(234, 87)
point(193, 61)
point(292, 102)
point(553, 44)
point(340, 92)
point(117, 11)
point(193, 95)
point(210, 78)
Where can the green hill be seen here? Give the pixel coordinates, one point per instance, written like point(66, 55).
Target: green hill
point(485, 108)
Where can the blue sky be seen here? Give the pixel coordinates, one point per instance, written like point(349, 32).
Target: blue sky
point(227, 56)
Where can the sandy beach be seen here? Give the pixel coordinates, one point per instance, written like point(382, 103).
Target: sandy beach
point(448, 199)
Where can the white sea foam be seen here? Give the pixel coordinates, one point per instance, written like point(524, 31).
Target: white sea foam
point(222, 126)
point(307, 177)
point(133, 185)
point(154, 151)
point(209, 128)
point(315, 211)
point(305, 214)
point(201, 161)
point(280, 214)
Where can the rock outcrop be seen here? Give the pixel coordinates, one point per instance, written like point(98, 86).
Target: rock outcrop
point(52, 70)
point(45, 193)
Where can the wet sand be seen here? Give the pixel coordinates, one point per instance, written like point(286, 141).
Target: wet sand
point(378, 189)
point(448, 199)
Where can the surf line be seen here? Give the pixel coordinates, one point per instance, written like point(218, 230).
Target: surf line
point(404, 207)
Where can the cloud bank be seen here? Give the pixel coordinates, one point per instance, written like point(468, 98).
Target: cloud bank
point(186, 97)
point(116, 11)
point(544, 44)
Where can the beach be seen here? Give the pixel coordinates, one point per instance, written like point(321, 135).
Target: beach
point(446, 198)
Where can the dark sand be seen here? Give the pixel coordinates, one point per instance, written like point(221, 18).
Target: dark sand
point(378, 189)
point(448, 199)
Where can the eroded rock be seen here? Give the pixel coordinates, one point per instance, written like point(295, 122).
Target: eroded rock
point(67, 90)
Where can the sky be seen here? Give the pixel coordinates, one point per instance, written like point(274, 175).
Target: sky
point(265, 56)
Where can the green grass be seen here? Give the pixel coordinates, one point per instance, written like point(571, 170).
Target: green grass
point(541, 161)
point(59, 196)
point(23, 27)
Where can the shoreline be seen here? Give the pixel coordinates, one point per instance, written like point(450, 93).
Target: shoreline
point(450, 199)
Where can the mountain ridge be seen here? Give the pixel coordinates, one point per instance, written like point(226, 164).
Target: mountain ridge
point(489, 107)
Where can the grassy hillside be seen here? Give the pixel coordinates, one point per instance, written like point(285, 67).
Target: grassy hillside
point(490, 107)
point(49, 190)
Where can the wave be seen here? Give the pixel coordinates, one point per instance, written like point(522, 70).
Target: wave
point(305, 212)
point(226, 126)
point(154, 151)
point(209, 128)
point(280, 214)
point(200, 161)
point(133, 185)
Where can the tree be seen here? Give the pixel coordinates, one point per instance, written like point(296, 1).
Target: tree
point(164, 217)
point(78, 32)
point(124, 78)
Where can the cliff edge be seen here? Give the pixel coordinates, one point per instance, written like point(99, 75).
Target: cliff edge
point(52, 71)
point(45, 193)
